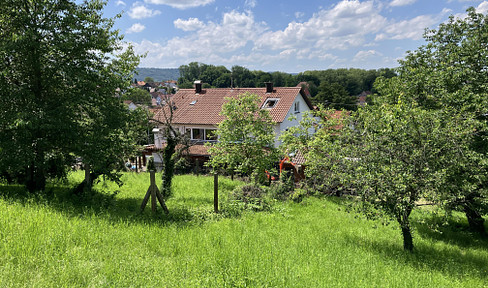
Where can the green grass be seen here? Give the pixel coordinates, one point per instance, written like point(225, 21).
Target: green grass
point(101, 240)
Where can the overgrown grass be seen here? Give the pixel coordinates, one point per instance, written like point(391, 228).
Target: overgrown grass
point(103, 240)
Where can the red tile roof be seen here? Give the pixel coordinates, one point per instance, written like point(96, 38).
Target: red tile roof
point(207, 104)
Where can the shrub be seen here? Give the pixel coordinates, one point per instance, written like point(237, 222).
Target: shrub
point(282, 189)
point(249, 197)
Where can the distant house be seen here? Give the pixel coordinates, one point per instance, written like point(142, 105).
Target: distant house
point(171, 84)
point(362, 98)
point(197, 112)
point(130, 104)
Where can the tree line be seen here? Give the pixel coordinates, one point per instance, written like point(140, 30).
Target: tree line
point(334, 88)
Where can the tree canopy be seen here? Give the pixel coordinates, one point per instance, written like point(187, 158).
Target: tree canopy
point(246, 138)
point(448, 74)
point(424, 137)
point(60, 68)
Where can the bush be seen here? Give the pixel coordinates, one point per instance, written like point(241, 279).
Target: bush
point(282, 189)
point(249, 197)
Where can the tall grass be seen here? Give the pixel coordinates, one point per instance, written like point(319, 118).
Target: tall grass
point(102, 240)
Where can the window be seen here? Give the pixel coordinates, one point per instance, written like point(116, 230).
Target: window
point(210, 134)
point(297, 107)
point(197, 134)
point(202, 134)
point(270, 103)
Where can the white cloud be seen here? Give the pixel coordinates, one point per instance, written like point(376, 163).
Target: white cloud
point(136, 28)
point(412, 29)
point(396, 3)
point(366, 55)
point(139, 11)
point(181, 4)
point(299, 14)
point(341, 27)
point(483, 7)
point(209, 41)
point(120, 3)
point(191, 24)
point(250, 3)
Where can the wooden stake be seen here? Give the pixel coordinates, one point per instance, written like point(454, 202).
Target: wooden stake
point(153, 192)
point(216, 193)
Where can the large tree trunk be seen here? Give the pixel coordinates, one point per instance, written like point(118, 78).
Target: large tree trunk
point(36, 180)
point(407, 238)
point(406, 230)
point(475, 220)
point(87, 183)
point(36, 177)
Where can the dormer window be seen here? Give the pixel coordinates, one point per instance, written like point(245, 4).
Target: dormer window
point(270, 103)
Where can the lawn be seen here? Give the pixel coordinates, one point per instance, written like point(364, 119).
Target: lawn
point(102, 240)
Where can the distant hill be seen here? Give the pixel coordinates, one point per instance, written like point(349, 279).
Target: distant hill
point(158, 74)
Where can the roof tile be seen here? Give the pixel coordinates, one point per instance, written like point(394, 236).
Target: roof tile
point(207, 104)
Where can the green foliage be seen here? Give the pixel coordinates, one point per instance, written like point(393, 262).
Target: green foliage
point(390, 155)
point(448, 74)
point(57, 86)
point(138, 96)
point(248, 197)
point(353, 80)
point(148, 79)
point(334, 96)
point(282, 189)
point(246, 138)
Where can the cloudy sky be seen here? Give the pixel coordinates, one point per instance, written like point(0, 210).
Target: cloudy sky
point(286, 35)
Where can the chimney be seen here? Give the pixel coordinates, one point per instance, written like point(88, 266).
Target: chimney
point(198, 86)
point(269, 87)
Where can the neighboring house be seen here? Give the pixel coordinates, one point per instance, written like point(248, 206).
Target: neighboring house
point(197, 112)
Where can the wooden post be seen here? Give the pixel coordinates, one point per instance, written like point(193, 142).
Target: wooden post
point(136, 165)
point(153, 192)
point(216, 193)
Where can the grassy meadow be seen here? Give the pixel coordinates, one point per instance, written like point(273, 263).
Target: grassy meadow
point(102, 240)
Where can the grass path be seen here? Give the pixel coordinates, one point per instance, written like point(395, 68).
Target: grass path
point(102, 241)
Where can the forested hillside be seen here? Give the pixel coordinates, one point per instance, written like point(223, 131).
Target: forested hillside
point(158, 74)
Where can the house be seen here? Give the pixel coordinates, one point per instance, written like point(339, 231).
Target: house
point(130, 104)
point(197, 112)
point(362, 98)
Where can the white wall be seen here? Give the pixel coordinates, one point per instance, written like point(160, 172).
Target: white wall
point(303, 107)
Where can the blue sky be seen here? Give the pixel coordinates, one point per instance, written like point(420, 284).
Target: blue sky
point(286, 35)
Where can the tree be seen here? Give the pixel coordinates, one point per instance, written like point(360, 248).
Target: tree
point(334, 96)
point(242, 77)
point(138, 96)
point(177, 144)
point(149, 79)
point(390, 155)
point(60, 69)
point(401, 154)
point(246, 138)
point(449, 74)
